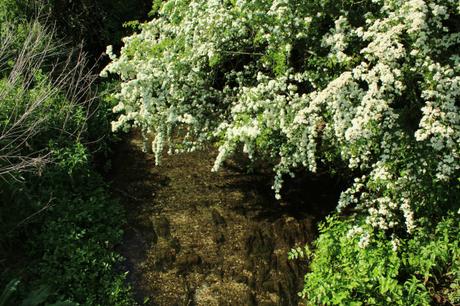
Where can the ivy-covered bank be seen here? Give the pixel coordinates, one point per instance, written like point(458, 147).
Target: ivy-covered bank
point(58, 223)
point(365, 89)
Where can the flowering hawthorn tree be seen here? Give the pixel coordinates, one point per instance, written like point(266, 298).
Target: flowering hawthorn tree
point(371, 84)
point(374, 84)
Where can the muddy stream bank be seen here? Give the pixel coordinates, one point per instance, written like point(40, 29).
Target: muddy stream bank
point(200, 238)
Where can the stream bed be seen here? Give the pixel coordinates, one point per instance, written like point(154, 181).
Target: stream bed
point(195, 237)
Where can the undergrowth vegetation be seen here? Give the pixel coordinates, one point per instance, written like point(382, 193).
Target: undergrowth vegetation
point(57, 238)
point(366, 89)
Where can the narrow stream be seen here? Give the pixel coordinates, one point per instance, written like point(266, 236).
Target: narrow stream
point(200, 238)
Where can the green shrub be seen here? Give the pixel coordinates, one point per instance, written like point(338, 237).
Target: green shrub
point(389, 271)
point(58, 224)
point(77, 237)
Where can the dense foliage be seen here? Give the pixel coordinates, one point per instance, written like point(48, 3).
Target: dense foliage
point(367, 88)
point(56, 238)
point(95, 23)
point(418, 271)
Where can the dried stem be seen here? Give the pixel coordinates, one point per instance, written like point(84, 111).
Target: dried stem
point(68, 76)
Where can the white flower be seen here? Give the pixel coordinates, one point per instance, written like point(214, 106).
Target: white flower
point(364, 241)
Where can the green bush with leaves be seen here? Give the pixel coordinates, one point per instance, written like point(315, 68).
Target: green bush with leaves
point(69, 248)
point(77, 237)
point(368, 88)
point(57, 238)
point(414, 271)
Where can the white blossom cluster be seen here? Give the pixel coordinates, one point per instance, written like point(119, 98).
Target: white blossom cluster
point(387, 103)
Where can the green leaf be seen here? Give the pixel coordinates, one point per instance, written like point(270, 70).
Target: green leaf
point(9, 289)
point(36, 297)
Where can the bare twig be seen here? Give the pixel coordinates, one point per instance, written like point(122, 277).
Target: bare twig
point(70, 78)
point(24, 221)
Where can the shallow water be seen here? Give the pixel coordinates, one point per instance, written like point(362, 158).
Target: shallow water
point(200, 238)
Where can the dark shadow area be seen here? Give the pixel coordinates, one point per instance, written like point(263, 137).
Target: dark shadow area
point(132, 185)
point(97, 24)
point(312, 194)
point(305, 195)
